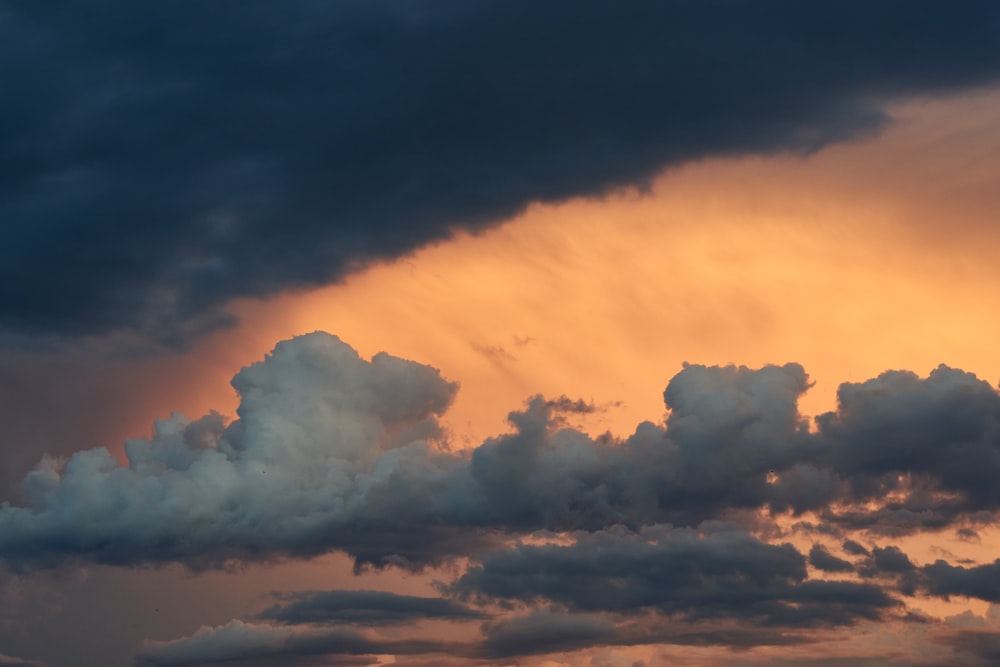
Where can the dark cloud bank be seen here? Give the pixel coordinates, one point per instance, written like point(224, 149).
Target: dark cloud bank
point(573, 541)
point(160, 159)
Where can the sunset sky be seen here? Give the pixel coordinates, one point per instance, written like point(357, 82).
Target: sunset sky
point(552, 334)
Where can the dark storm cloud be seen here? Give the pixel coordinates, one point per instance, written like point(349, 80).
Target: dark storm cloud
point(366, 608)
point(334, 453)
point(678, 573)
point(161, 159)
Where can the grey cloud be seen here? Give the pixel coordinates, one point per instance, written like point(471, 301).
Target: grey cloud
point(726, 574)
point(160, 160)
point(319, 431)
point(891, 563)
point(855, 548)
point(825, 561)
point(332, 452)
point(930, 441)
point(366, 608)
point(980, 581)
point(547, 632)
point(245, 644)
point(891, 559)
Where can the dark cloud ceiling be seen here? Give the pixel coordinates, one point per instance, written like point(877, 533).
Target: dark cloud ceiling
point(160, 159)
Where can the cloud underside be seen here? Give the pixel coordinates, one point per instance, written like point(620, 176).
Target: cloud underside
point(671, 535)
point(160, 160)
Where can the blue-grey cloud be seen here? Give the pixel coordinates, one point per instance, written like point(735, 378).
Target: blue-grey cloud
point(682, 574)
point(331, 452)
point(161, 159)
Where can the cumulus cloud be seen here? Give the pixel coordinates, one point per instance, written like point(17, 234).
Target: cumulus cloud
point(930, 446)
point(321, 435)
point(334, 452)
point(164, 159)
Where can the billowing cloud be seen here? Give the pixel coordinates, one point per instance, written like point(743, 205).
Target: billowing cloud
point(332, 452)
point(319, 431)
point(927, 446)
point(162, 160)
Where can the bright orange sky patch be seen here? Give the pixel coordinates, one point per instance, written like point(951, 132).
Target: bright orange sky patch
point(833, 260)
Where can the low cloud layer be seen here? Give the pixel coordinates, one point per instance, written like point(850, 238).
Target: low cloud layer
point(160, 160)
point(366, 608)
point(681, 574)
point(332, 452)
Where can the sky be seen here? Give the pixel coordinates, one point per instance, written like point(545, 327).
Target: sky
point(547, 334)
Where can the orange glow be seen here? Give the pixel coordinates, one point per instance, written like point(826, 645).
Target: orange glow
point(852, 261)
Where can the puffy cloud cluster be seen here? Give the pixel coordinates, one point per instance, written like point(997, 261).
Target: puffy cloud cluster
point(320, 434)
point(163, 159)
point(573, 541)
point(333, 452)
